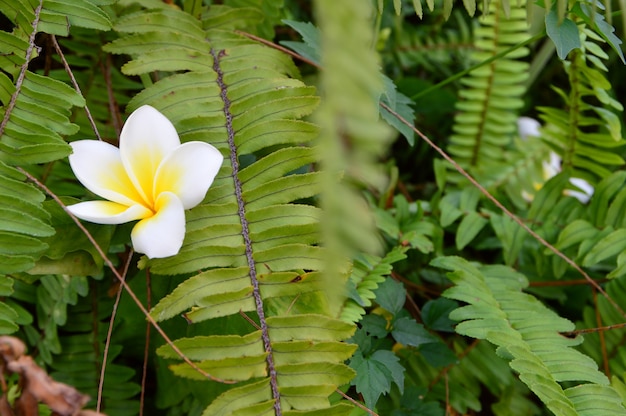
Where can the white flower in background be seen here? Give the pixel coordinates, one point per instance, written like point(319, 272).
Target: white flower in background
point(529, 127)
point(151, 178)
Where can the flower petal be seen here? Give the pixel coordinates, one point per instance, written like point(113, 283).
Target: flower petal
point(146, 139)
point(188, 172)
point(162, 234)
point(106, 212)
point(553, 167)
point(586, 188)
point(98, 166)
point(528, 127)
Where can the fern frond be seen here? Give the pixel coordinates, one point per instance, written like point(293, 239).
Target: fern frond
point(610, 341)
point(585, 135)
point(596, 236)
point(35, 116)
point(8, 315)
point(470, 6)
point(435, 50)
point(79, 363)
point(486, 121)
point(526, 332)
point(271, 12)
point(255, 247)
point(367, 272)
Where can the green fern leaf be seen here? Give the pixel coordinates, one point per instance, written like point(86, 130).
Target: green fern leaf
point(35, 116)
point(84, 14)
point(487, 110)
point(368, 271)
point(252, 245)
point(8, 316)
point(527, 333)
point(585, 134)
point(82, 344)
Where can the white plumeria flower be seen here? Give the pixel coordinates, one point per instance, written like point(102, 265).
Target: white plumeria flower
point(529, 127)
point(151, 178)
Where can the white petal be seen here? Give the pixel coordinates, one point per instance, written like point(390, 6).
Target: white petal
point(586, 188)
point(188, 172)
point(582, 197)
point(552, 168)
point(146, 139)
point(161, 235)
point(106, 212)
point(98, 166)
point(528, 127)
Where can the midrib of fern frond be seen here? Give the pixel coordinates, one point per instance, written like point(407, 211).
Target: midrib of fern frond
point(575, 99)
point(488, 90)
point(245, 231)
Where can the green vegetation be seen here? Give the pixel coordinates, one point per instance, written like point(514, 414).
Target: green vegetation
point(386, 234)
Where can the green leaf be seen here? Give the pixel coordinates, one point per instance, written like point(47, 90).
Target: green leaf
point(7, 319)
point(609, 246)
point(375, 325)
point(8, 316)
point(84, 15)
point(438, 354)
point(510, 234)
point(604, 192)
point(391, 295)
point(603, 28)
point(620, 270)
point(449, 211)
point(525, 330)
point(436, 312)
point(574, 233)
point(547, 197)
point(408, 332)
point(375, 375)
point(469, 227)
point(6, 286)
point(401, 104)
point(310, 49)
point(564, 34)
point(70, 251)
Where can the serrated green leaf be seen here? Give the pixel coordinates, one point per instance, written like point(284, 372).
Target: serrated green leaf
point(310, 49)
point(391, 295)
point(408, 332)
point(375, 325)
point(400, 104)
point(375, 374)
